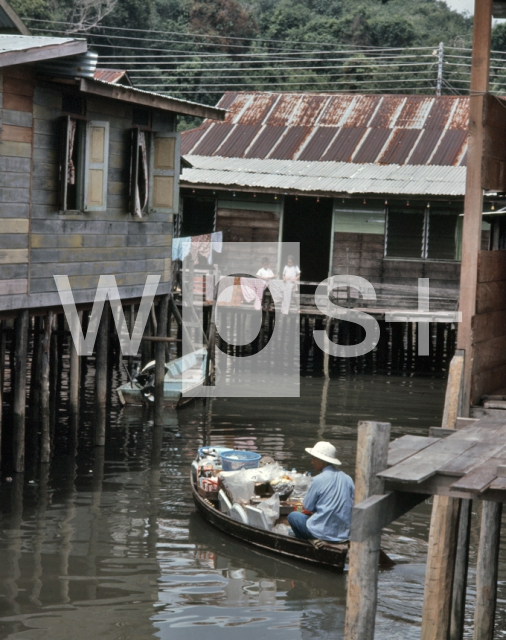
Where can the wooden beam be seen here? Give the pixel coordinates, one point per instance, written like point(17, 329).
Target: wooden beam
point(486, 571)
point(48, 52)
point(45, 444)
point(473, 203)
point(101, 378)
point(15, 19)
point(361, 600)
point(460, 573)
point(147, 99)
point(377, 511)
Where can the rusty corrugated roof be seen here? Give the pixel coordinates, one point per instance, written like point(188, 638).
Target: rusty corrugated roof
point(361, 129)
point(112, 75)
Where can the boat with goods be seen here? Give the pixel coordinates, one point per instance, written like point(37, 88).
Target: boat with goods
point(252, 504)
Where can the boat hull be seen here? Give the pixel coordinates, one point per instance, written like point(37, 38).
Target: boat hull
point(328, 557)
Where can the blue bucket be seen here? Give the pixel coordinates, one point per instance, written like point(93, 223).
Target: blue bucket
point(234, 460)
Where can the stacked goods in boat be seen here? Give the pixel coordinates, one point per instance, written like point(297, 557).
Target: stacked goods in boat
point(255, 495)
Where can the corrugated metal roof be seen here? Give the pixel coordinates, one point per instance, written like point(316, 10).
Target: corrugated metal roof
point(10, 43)
point(112, 75)
point(371, 129)
point(325, 177)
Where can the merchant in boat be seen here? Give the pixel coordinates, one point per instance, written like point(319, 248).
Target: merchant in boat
point(328, 502)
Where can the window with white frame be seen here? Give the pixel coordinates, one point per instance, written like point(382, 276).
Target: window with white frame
point(427, 233)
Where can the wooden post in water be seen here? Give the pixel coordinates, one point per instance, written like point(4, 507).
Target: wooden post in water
point(439, 596)
point(486, 571)
point(460, 573)
point(2, 377)
point(74, 373)
point(101, 378)
point(361, 600)
point(19, 391)
point(35, 375)
point(45, 444)
point(160, 359)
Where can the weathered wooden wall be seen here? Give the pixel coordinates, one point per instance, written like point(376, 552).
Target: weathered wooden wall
point(489, 326)
point(16, 93)
point(37, 241)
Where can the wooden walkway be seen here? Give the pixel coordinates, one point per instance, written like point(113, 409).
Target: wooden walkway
point(467, 462)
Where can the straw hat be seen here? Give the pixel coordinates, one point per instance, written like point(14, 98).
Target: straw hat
point(324, 451)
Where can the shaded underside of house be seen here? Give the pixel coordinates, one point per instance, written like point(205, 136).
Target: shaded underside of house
point(370, 185)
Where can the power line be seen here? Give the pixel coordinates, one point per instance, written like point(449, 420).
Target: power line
point(315, 82)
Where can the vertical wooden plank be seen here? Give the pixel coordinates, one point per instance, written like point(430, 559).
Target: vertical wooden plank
point(34, 397)
point(101, 378)
point(19, 391)
point(453, 389)
point(486, 571)
point(361, 600)
point(2, 377)
point(460, 573)
point(473, 203)
point(440, 568)
point(160, 359)
point(45, 444)
point(74, 372)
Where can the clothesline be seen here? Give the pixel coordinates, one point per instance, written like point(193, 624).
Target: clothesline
point(203, 245)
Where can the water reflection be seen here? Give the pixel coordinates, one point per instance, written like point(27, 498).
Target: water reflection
point(106, 542)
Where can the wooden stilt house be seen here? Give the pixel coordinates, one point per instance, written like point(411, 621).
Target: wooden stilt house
point(370, 185)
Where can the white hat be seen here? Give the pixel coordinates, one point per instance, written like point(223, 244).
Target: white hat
point(324, 451)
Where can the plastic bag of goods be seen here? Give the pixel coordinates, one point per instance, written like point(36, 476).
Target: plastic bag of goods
point(301, 484)
point(283, 486)
point(239, 485)
point(270, 507)
point(283, 529)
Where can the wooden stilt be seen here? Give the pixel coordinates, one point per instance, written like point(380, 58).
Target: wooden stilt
point(101, 378)
point(460, 573)
point(19, 391)
point(35, 375)
point(440, 568)
point(74, 373)
point(486, 571)
point(45, 444)
point(53, 375)
point(146, 346)
point(160, 359)
point(2, 378)
point(361, 600)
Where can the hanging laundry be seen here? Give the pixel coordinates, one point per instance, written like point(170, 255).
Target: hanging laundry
point(176, 247)
point(216, 244)
point(226, 290)
point(253, 291)
point(200, 245)
point(184, 247)
point(281, 291)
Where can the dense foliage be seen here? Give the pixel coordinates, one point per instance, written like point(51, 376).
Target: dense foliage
point(198, 49)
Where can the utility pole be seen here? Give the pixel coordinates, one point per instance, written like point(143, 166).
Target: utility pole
point(440, 62)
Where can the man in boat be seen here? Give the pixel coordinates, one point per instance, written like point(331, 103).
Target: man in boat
point(329, 500)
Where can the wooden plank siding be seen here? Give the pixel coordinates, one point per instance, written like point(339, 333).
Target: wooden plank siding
point(16, 137)
point(37, 240)
point(488, 325)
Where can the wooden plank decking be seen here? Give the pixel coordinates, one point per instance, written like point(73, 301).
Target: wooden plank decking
point(468, 463)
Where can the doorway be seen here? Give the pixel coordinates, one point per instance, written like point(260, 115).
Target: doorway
point(309, 222)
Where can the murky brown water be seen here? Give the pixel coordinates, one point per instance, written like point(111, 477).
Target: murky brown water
point(108, 544)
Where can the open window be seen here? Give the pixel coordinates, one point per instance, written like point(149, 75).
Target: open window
point(139, 181)
point(83, 165)
point(164, 161)
point(72, 163)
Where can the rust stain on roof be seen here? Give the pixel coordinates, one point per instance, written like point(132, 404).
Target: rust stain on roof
point(265, 141)
point(111, 75)
point(335, 110)
point(382, 129)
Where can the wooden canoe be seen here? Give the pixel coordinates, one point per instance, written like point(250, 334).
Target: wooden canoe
point(329, 556)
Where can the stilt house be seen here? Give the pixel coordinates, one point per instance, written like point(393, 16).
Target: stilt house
point(90, 175)
point(370, 185)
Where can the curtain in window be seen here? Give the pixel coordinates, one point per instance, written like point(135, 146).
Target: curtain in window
point(71, 169)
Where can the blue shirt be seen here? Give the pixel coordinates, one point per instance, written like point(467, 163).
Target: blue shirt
point(330, 498)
